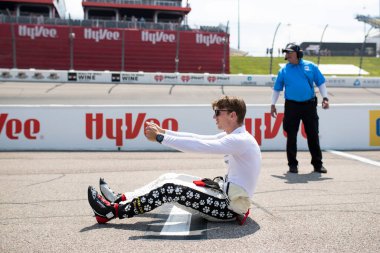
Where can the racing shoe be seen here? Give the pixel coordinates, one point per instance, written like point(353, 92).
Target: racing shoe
point(103, 209)
point(109, 194)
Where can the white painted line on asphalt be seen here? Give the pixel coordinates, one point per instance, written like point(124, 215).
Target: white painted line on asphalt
point(178, 222)
point(355, 157)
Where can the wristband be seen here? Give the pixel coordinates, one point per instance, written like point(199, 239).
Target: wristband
point(159, 138)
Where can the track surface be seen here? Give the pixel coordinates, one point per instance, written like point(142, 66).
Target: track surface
point(85, 94)
point(44, 208)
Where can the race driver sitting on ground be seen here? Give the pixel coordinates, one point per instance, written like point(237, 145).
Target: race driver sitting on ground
point(221, 199)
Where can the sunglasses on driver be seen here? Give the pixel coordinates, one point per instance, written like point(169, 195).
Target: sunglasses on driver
point(217, 111)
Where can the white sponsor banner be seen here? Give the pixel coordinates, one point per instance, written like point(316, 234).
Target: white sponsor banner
point(73, 76)
point(33, 75)
point(55, 127)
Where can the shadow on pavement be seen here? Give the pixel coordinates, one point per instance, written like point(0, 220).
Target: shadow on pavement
point(210, 230)
point(138, 226)
point(292, 178)
point(232, 230)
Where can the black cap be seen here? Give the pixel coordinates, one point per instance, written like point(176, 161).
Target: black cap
point(291, 48)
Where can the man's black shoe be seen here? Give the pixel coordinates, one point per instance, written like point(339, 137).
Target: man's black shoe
point(320, 170)
point(293, 169)
point(103, 209)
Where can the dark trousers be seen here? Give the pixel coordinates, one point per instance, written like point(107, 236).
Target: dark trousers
point(307, 112)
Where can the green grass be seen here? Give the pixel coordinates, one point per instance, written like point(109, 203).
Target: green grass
point(260, 65)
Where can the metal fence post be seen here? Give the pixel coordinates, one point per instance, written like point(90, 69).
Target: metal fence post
point(320, 45)
point(123, 52)
point(71, 39)
point(362, 51)
point(14, 53)
point(225, 40)
point(271, 50)
point(177, 52)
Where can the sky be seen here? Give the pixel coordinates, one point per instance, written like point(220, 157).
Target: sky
point(301, 20)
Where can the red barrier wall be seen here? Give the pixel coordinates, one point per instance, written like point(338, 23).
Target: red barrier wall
point(42, 47)
point(150, 50)
point(203, 52)
point(5, 46)
point(49, 47)
point(97, 49)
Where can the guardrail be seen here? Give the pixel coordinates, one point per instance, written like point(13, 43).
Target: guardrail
point(128, 24)
point(114, 127)
point(73, 76)
point(177, 3)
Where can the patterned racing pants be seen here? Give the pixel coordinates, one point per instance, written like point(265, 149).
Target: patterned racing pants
point(180, 190)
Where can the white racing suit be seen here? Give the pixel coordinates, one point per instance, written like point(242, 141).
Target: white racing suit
point(243, 159)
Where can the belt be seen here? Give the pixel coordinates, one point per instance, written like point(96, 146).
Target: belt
point(302, 102)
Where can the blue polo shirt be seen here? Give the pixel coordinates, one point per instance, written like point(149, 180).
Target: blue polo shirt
point(297, 79)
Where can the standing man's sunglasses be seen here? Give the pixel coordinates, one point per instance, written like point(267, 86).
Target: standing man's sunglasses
point(217, 111)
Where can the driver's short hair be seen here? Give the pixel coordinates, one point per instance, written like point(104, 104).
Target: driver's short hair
point(233, 104)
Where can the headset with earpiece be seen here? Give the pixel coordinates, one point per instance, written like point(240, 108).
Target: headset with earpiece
point(296, 48)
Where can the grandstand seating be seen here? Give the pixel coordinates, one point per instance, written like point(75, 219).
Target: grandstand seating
point(36, 48)
point(115, 35)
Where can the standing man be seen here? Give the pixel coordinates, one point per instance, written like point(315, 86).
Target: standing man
point(219, 199)
point(298, 78)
